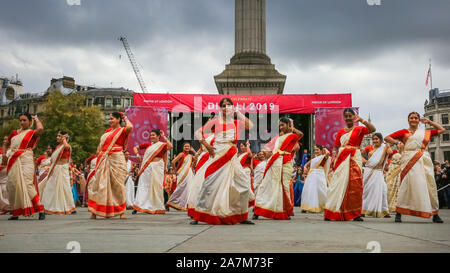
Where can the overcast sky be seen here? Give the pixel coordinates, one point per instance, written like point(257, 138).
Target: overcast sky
point(380, 54)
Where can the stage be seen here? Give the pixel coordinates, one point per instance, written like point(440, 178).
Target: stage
point(318, 116)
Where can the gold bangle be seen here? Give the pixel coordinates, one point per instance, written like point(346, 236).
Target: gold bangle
point(362, 120)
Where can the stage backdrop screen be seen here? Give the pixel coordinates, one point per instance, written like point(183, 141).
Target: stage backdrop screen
point(328, 121)
point(145, 119)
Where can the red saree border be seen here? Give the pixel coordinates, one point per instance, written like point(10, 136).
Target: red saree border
point(149, 211)
point(60, 212)
point(201, 162)
point(216, 220)
point(341, 216)
point(271, 214)
point(190, 211)
point(37, 207)
point(416, 213)
point(104, 210)
point(216, 165)
point(175, 206)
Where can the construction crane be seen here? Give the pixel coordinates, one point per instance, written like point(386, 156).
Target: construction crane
point(133, 63)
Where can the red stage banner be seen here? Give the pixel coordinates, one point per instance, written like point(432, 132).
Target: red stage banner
point(145, 119)
point(328, 121)
point(304, 103)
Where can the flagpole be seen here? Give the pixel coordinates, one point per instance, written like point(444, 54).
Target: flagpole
point(431, 77)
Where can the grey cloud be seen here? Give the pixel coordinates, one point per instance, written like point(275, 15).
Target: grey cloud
point(55, 23)
point(310, 32)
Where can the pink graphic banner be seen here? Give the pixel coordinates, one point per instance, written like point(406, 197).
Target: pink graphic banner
point(303, 103)
point(328, 121)
point(144, 120)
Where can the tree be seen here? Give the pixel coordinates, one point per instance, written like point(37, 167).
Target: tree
point(84, 124)
point(14, 124)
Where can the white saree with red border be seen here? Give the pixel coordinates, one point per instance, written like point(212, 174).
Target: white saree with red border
point(417, 194)
point(274, 196)
point(150, 192)
point(223, 198)
point(22, 183)
point(374, 186)
point(314, 193)
point(55, 189)
point(107, 192)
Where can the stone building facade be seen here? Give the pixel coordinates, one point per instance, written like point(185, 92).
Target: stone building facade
point(15, 103)
point(109, 99)
point(437, 108)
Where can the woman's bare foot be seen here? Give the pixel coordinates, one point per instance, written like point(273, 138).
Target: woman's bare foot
point(93, 216)
point(122, 216)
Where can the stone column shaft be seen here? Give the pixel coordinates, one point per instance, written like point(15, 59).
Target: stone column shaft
point(250, 26)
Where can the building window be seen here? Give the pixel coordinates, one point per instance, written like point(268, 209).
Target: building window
point(446, 155)
point(116, 101)
point(2, 113)
point(35, 109)
point(445, 137)
point(444, 118)
point(432, 156)
point(99, 101)
point(108, 102)
point(127, 102)
point(89, 102)
point(431, 139)
point(430, 118)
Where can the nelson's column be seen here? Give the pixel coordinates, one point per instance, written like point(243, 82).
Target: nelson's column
point(250, 70)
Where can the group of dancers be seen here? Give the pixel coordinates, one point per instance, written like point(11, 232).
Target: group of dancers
point(220, 182)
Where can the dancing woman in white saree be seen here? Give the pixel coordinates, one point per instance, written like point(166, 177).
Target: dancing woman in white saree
point(4, 202)
point(196, 185)
point(55, 190)
point(22, 189)
point(393, 181)
point(223, 198)
point(129, 182)
point(184, 163)
point(150, 192)
point(274, 198)
point(43, 164)
point(107, 193)
point(417, 194)
point(344, 194)
point(314, 193)
point(374, 186)
point(259, 165)
point(246, 159)
point(91, 161)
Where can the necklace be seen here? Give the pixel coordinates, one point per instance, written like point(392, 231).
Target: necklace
point(412, 130)
point(349, 129)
